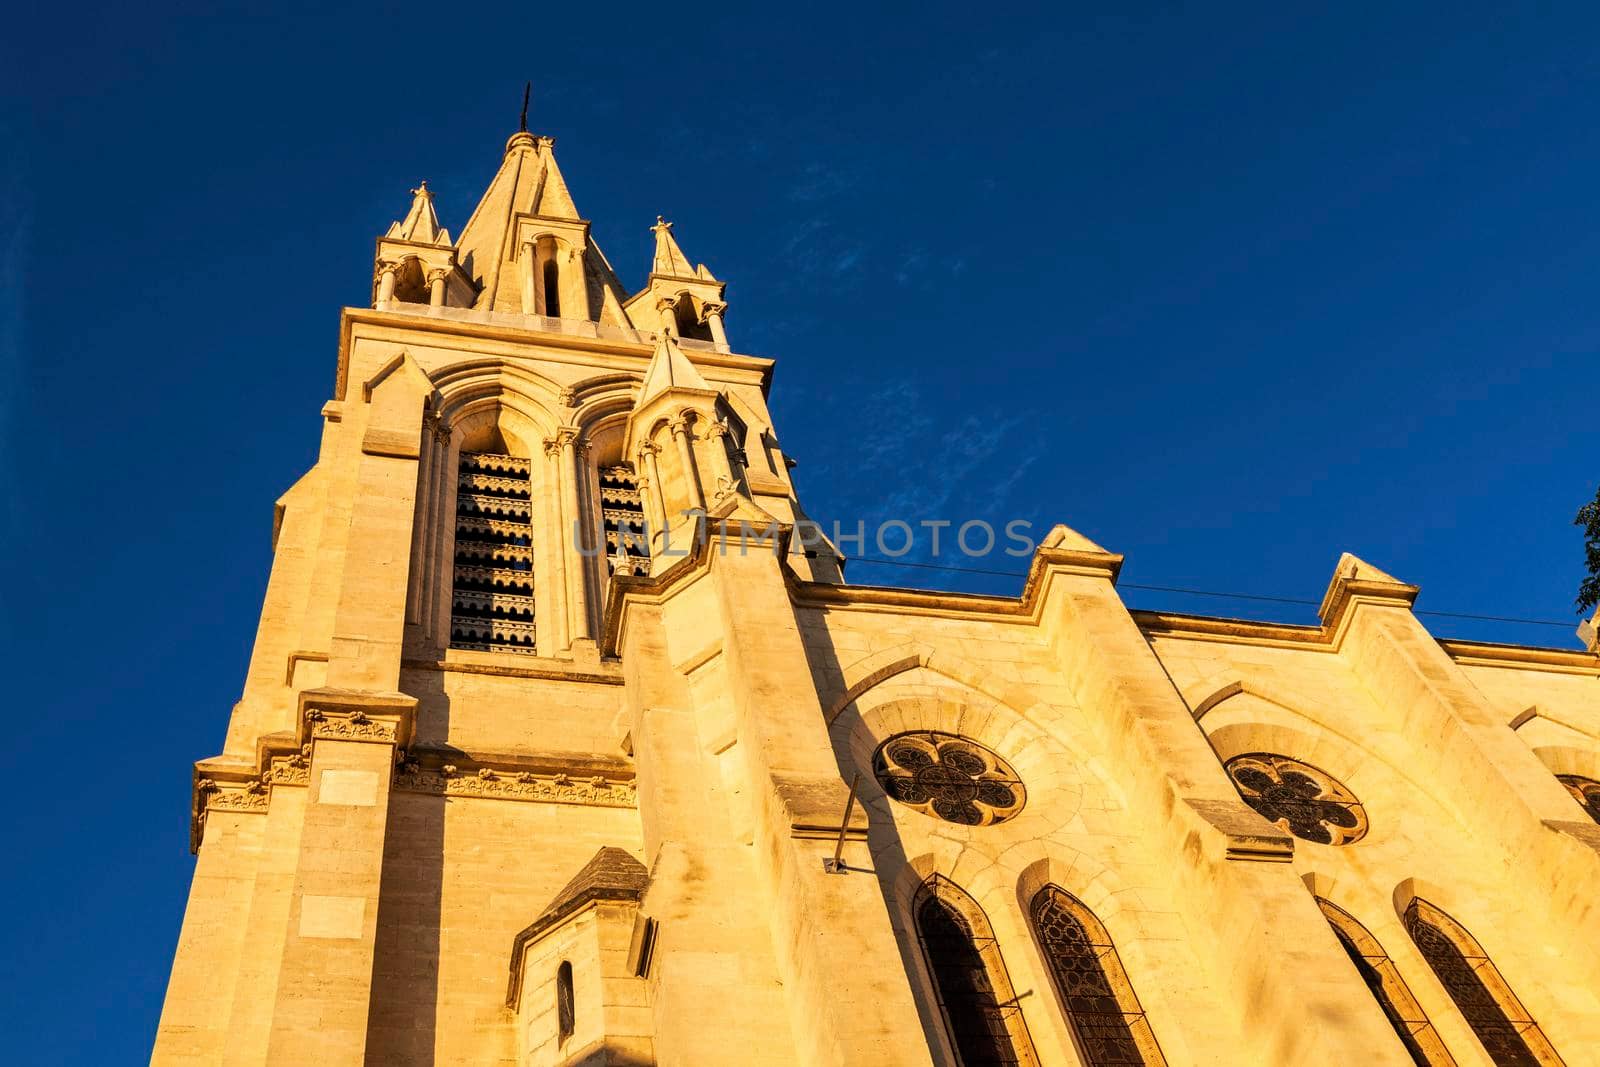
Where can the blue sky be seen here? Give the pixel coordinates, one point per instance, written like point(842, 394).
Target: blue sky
point(1229, 292)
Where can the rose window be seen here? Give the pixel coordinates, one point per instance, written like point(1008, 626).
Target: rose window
point(1298, 797)
point(948, 777)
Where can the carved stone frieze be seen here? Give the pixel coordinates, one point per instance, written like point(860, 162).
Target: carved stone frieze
point(349, 726)
point(510, 784)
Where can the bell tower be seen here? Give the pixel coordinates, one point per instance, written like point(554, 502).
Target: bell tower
point(441, 764)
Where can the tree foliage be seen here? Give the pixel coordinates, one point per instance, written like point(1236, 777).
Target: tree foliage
point(1589, 518)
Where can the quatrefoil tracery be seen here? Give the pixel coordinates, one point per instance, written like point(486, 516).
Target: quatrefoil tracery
point(1302, 799)
point(948, 777)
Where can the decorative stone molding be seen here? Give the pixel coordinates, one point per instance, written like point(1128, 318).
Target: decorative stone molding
point(511, 783)
point(348, 726)
point(331, 714)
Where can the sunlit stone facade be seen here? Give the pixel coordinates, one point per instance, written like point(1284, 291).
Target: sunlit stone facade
point(556, 748)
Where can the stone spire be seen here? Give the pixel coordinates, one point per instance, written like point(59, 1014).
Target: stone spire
point(527, 200)
point(421, 224)
point(670, 261)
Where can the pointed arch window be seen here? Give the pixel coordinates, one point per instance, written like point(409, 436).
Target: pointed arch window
point(1503, 1026)
point(1586, 791)
point(974, 992)
point(1110, 1026)
point(1410, 1022)
point(492, 595)
point(566, 1004)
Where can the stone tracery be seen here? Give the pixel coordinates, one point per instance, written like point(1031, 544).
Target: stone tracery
point(1300, 798)
point(949, 777)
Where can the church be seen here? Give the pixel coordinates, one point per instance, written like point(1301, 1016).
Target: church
point(559, 745)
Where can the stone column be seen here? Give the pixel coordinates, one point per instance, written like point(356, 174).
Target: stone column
point(691, 474)
point(571, 519)
point(667, 313)
point(713, 319)
point(436, 278)
point(557, 550)
point(574, 290)
point(319, 1011)
point(647, 461)
point(387, 269)
point(529, 268)
point(724, 461)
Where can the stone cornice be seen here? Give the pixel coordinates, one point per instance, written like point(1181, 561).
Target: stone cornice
point(1522, 657)
point(555, 670)
point(550, 777)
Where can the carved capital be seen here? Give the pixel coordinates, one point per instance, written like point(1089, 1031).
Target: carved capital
point(565, 436)
point(717, 430)
point(679, 426)
point(711, 308)
point(552, 447)
point(438, 274)
point(386, 266)
point(435, 424)
point(648, 448)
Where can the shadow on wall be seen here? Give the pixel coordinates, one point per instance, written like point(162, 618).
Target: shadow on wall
point(402, 1018)
point(885, 856)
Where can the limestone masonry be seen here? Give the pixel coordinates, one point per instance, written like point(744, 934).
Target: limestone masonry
point(498, 794)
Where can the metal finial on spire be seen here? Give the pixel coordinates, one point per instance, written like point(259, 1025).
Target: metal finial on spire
point(522, 124)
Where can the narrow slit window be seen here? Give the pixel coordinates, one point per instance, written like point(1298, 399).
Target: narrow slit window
point(492, 602)
point(552, 289)
point(566, 1006)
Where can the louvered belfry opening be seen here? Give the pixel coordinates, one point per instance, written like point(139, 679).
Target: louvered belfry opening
point(622, 516)
point(492, 602)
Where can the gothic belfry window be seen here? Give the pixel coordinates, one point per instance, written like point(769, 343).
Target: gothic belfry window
point(622, 518)
point(1497, 1017)
point(974, 993)
point(492, 599)
point(1410, 1023)
point(1099, 1001)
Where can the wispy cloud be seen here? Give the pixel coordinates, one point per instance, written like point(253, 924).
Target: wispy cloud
point(820, 181)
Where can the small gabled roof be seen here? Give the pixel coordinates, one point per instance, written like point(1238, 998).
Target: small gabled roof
point(669, 369)
point(613, 874)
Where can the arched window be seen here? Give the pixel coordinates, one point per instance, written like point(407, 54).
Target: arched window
point(552, 287)
point(492, 593)
point(1095, 993)
point(566, 1008)
point(1393, 996)
point(1585, 791)
point(969, 978)
point(1507, 1032)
